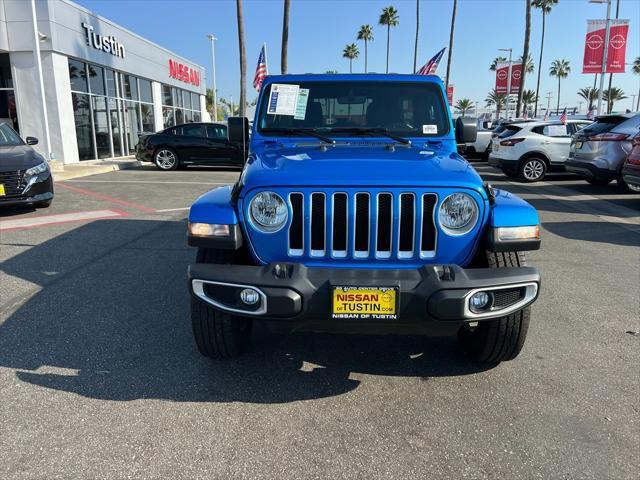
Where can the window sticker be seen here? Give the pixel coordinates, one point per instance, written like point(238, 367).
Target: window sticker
point(301, 104)
point(427, 129)
point(557, 131)
point(283, 99)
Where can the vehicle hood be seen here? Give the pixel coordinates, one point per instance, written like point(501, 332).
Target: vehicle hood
point(364, 164)
point(20, 157)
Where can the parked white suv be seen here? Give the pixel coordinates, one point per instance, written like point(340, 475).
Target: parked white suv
point(530, 150)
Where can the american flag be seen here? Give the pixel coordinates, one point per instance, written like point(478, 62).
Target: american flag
point(431, 66)
point(563, 117)
point(261, 70)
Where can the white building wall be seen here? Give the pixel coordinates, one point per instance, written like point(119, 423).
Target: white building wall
point(156, 90)
point(60, 107)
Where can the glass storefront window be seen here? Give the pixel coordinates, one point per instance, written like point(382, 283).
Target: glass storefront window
point(111, 83)
point(8, 111)
point(196, 116)
point(130, 84)
point(188, 116)
point(145, 91)
point(167, 99)
point(195, 101)
point(115, 114)
point(96, 80)
point(78, 76)
point(186, 99)
point(168, 119)
point(133, 124)
point(178, 97)
point(82, 116)
point(6, 80)
point(148, 124)
point(179, 116)
point(101, 126)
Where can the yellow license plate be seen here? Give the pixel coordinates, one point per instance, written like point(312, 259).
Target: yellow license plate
point(2, 191)
point(379, 303)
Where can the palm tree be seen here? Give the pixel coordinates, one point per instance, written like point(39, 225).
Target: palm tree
point(559, 69)
point(453, 25)
point(351, 51)
point(243, 58)
point(545, 7)
point(611, 96)
point(525, 55)
point(496, 99)
point(365, 33)
point(285, 37)
point(590, 95)
point(415, 48)
point(529, 65)
point(463, 105)
point(636, 69)
point(494, 65)
point(390, 18)
point(528, 98)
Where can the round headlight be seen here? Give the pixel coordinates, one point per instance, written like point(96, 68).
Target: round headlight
point(458, 214)
point(268, 211)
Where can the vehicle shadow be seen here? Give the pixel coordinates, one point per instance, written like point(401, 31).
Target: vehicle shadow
point(18, 210)
point(599, 232)
point(111, 321)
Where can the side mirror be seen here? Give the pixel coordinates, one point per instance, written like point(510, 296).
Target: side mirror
point(31, 140)
point(466, 130)
point(238, 130)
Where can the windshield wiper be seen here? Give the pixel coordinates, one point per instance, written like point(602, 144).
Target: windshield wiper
point(370, 130)
point(300, 131)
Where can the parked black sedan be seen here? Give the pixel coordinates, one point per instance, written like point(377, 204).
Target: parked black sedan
point(25, 177)
point(190, 144)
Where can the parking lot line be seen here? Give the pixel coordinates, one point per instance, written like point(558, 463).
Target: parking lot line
point(58, 218)
point(107, 198)
point(146, 182)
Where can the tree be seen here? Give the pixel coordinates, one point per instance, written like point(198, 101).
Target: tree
point(494, 65)
point(611, 96)
point(496, 99)
point(243, 58)
point(530, 67)
point(285, 37)
point(366, 34)
point(559, 69)
point(389, 18)
point(351, 52)
point(635, 68)
point(528, 98)
point(450, 55)
point(590, 95)
point(463, 105)
point(415, 47)
point(526, 57)
point(545, 7)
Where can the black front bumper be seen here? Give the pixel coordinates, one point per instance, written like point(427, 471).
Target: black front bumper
point(40, 191)
point(589, 170)
point(433, 299)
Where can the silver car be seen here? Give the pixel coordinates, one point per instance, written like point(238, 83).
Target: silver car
point(597, 152)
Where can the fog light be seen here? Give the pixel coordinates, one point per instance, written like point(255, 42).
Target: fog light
point(208, 230)
point(479, 301)
point(249, 296)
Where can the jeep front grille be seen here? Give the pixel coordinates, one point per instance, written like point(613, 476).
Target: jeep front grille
point(361, 225)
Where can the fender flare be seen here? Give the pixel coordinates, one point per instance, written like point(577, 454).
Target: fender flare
point(216, 207)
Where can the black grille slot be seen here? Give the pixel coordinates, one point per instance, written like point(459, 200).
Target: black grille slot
point(339, 222)
point(506, 298)
point(385, 221)
point(428, 241)
point(407, 214)
point(317, 221)
point(362, 222)
point(296, 228)
point(13, 182)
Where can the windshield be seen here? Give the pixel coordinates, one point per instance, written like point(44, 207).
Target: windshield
point(8, 138)
point(351, 108)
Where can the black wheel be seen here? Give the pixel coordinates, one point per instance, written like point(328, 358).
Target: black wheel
point(601, 182)
point(497, 340)
point(166, 159)
point(218, 334)
point(627, 188)
point(510, 173)
point(45, 204)
point(533, 169)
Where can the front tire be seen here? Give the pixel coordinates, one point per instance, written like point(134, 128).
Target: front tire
point(166, 159)
point(498, 340)
point(533, 169)
point(218, 334)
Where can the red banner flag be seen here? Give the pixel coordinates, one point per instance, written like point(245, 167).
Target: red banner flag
point(594, 46)
point(502, 74)
point(450, 94)
point(516, 76)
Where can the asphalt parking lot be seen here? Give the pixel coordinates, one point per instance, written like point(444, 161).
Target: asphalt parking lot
point(100, 377)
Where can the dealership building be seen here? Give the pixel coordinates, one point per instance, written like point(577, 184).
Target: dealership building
point(103, 85)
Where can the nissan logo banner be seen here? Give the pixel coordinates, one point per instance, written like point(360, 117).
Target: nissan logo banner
point(502, 74)
point(594, 46)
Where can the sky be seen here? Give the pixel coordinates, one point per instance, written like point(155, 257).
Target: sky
point(320, 29)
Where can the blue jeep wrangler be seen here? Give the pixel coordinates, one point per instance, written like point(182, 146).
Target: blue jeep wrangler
point(354, 213)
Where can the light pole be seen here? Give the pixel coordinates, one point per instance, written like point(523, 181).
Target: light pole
point(606, 51)
point(548, 101)
point(213, 71)
point(510, 50)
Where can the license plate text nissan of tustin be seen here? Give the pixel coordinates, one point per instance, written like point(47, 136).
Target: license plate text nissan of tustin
point(354, 213)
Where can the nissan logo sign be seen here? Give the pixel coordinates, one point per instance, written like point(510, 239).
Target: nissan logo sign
point(617, 41)
point(502, 74)
point(516, 74)
point(594, 41)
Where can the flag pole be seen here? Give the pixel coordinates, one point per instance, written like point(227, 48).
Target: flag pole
point(266, 63)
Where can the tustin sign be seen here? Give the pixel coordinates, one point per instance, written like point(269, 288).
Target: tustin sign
point(184, 73)
point(107, 44)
